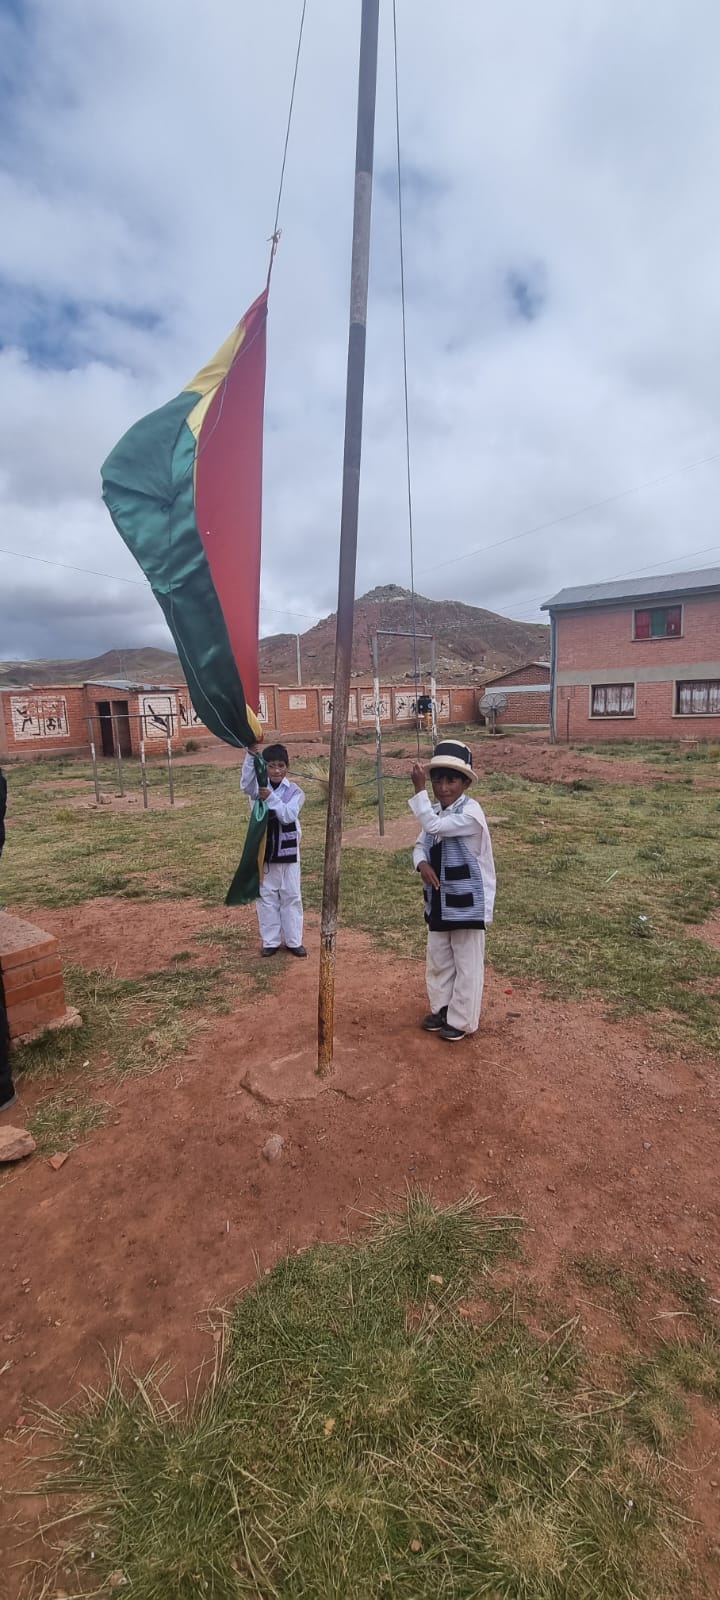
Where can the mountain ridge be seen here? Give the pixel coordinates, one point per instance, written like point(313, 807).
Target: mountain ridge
point(471, 644)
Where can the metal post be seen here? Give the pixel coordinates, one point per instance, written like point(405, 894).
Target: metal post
point(378, 736)
point(143, 774)
point(433, 694)
point(171, 785)
point(359, 272)
point(93, 758)
point(299, 668)
point(118, 757)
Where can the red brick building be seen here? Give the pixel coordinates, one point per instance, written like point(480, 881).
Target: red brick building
point(118, 714)
point(637, 660)
point(526, 691)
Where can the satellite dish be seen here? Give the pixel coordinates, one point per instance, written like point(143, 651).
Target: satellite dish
point(491, 705)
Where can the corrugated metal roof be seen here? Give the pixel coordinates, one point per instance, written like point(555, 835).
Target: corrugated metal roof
point(669, 583)
point(131, 686)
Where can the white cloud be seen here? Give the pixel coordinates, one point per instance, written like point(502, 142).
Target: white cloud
point(559, 160)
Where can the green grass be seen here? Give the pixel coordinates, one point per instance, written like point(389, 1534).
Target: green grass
point(61, 1121)
point(601, 886)
point(140, 1024)
point(623, 1286)
point(360, 1437)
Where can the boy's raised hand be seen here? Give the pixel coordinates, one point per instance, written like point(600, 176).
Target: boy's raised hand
point(418, 776)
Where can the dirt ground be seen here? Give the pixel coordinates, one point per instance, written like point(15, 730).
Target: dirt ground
point(598, 1139)
point(527, 755)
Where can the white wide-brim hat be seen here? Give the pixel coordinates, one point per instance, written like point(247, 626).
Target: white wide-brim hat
point(454, 757)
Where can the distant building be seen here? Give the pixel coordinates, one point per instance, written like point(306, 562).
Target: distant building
point(117, 714)
point(637, 660)
point(527, 691)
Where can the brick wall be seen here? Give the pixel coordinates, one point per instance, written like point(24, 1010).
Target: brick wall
point(463, 705)
point(597, 647)
point(31, 976)
point(47, 721)
point(654, 717)
point(61, 720)
point(605, 635)
point(526, 710)
point(530, 673)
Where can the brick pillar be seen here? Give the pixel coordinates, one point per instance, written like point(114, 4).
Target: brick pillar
point(32, 979)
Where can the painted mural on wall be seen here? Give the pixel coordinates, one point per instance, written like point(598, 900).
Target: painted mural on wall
point(262, 708)
point(367, 707)
point(327, 707)
point(159, 715)
point(187, 713)
point(404, 707)
point(39, 716)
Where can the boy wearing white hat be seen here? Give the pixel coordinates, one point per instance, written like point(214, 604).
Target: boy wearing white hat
point(454, 857)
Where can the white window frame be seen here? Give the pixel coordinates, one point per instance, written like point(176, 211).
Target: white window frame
point(612, 716)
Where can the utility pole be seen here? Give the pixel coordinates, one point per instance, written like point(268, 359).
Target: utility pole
point(299, 669)
point(360, 268)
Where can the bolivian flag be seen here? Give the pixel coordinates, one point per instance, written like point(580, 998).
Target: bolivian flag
point(184, 489)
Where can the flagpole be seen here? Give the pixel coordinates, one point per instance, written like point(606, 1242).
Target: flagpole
point(367, 80)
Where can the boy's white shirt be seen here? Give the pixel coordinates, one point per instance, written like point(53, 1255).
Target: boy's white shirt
point(286, 805)
point(468, 824)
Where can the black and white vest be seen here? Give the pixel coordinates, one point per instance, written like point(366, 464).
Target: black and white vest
point(282, 840)
point(460, 900)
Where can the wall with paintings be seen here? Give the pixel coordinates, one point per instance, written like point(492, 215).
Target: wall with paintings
point(46, 721)
point(54, 720)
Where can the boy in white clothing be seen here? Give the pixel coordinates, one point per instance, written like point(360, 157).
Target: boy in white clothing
point(280, 908)
point(454, 858)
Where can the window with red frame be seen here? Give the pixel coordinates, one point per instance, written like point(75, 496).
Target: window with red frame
point(660, 622)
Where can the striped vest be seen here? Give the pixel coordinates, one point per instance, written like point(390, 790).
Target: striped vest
point(460, 900)
point(283, 838)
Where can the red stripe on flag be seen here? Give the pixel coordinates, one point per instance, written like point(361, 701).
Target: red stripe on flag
point(228, 495)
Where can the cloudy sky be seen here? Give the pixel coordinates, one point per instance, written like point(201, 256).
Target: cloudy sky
point(563, 279)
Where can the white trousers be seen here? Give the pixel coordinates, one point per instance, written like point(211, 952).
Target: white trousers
point(280, 909)
point(455, 973)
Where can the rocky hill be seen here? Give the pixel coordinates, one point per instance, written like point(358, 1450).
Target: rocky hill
point(141, 666)
point(470, 645)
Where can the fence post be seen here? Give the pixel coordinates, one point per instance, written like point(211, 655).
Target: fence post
point(118, 756)
point(143, 774)
point(170, 772)
point(378, 736)
point(93, 758)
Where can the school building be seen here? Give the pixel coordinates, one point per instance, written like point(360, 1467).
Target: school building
point(120, 715)
point(637, 660)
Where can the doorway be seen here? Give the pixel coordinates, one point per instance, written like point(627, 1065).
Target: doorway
point(119, 711)
point(121, 714)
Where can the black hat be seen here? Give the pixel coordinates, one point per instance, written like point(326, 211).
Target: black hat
point(454, 757)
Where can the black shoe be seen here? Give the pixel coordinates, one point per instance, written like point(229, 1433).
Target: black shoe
point(296, 950)
point(435, 1020)
point(269, 949)
point(6, 1104)
point(451, 1034)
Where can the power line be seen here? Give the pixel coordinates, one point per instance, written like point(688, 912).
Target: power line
point(140, 583)
point(568, 516)
point(91, 572)
point(638, 571)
